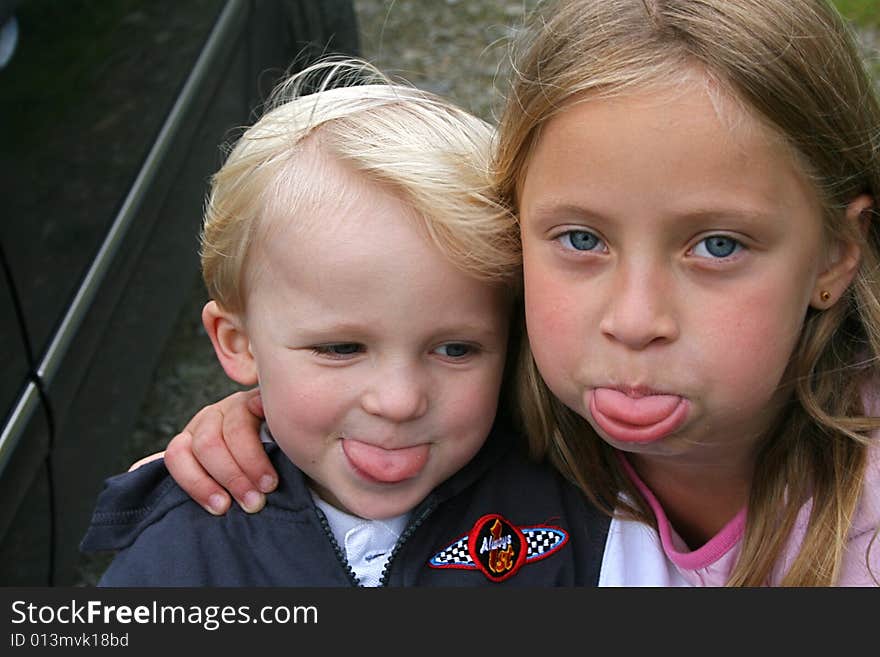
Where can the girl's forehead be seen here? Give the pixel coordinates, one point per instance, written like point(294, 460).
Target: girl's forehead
point(663, 95)
point(682, 148)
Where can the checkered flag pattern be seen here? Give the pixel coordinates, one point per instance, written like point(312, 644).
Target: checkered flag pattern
point(454, 555)
point(540, 541)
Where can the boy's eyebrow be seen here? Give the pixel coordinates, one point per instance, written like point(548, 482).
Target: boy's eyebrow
point(326, 327)
point(487, 328)
point(348, 330)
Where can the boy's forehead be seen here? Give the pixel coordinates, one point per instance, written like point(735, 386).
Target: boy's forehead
point(316, 192)
point(321, 215)
point(353, 248)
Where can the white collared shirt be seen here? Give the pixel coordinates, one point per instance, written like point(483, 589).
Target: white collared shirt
point(367, 543)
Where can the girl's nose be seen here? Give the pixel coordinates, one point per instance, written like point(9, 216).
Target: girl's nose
point(399, 395)
point(640, 310)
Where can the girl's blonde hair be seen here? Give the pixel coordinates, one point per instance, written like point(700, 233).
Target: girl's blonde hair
point(431, 154)
point(796, 67)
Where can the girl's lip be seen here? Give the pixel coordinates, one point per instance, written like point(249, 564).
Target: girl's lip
point(635, 391)
point(636, 415)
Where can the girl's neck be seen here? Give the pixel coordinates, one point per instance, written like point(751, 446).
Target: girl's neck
point(698, 498)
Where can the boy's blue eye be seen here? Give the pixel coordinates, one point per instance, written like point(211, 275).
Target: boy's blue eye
point(581, 240)
point(454, 350)
point(717, 246)
point(339, 350)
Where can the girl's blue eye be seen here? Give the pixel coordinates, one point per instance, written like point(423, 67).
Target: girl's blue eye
point(580, 240)
point(454, 350)
point(339, 350)
point(717, 246)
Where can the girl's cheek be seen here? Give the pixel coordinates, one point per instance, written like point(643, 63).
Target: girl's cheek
point(553, 304)
point(555, 334)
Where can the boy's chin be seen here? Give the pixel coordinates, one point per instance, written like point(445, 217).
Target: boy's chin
point(370, 505)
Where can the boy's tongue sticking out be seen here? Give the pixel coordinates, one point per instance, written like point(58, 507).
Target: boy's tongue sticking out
point(385, 465)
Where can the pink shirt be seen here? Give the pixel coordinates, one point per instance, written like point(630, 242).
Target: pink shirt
point(637, 555)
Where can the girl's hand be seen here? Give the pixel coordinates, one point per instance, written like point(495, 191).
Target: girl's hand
point(145, 460)
point(220, 448)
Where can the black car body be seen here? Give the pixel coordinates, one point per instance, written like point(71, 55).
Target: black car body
point(113, 112)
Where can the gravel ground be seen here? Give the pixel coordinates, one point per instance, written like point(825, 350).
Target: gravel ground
point(452, 47)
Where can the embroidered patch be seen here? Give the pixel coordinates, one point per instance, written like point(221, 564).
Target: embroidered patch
point(498, 548)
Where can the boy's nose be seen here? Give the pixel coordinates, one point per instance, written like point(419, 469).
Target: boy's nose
point(640, 308)
point(399, 395)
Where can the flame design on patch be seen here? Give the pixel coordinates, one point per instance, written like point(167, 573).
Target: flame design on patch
point(498, 548)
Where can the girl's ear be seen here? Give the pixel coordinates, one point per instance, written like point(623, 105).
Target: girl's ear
point(231, 344)
point(845, 257)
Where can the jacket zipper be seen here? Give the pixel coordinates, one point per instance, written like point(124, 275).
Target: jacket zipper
point(410, 530)
point(340, 556)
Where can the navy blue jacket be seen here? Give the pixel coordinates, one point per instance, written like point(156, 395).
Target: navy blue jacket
point(501, 520)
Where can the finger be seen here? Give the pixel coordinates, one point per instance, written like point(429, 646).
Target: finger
point(211, 452)
point(255, 403)
point(192, 477)
point(145, 460)
point(241, 431)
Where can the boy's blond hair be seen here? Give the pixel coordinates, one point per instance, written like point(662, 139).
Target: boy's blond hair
point(796, 67)
point(433, 155)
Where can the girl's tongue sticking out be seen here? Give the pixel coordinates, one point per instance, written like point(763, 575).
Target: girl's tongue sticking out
point(636, 419)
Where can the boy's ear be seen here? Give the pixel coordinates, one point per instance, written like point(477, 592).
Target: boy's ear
point(231, 344)
point(845, 257)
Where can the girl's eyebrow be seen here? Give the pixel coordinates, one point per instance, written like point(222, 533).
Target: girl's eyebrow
point(550, 210)
point(573, 212)
point(751, 213)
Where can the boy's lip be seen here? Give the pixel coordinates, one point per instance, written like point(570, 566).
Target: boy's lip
point(384, 465)
point(636, 414)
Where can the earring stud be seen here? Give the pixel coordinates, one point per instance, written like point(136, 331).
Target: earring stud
point(825, 295)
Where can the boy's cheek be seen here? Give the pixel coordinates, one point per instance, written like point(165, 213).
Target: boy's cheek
point(297, 396)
